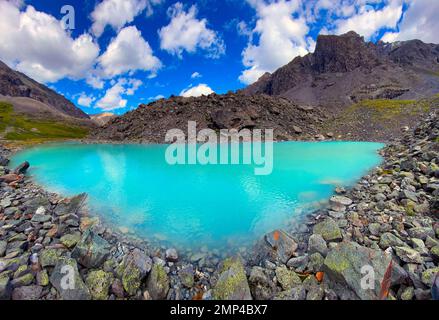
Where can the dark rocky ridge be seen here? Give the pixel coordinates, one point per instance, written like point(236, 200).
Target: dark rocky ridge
point(149, 123)
point(343, 68)
point(16, 84)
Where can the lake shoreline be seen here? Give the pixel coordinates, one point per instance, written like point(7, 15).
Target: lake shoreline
point(384, 209)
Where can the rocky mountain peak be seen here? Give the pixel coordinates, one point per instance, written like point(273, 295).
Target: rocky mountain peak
point(343, 53)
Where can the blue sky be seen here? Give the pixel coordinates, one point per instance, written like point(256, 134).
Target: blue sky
point(123, 53)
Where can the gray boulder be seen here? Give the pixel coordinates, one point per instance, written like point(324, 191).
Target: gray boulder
point(346, 265)
point(232, 282)
point(261, 285)
point(92, 250)
point(329, 230)
point(158, 283)
point(67, 281)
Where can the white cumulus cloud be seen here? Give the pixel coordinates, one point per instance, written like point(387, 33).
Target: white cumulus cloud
point(117, 13)
point(368, 21)
point(35, 43)
point(281, 37)
point(114, 96)
point(197, 91)
point(419, 22)
point(196, 75)
point(85, 100)
point(128, 52)
point(187, 33)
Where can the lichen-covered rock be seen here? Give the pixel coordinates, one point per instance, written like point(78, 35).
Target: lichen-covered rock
point(329, 230)
point(261, 285)
point(3, 245)
point(99, 282)
point(70, 240)
point(92, 250)
point(5, 287)
point(408, 255)
point(435, 252)
point(315, 262)
point(344, 265)
point(67, 281)
point(49, 257)
point(296, 293)
point(135, 267)
point(232, 282)
point(287, 278)
point(186, 275)
point(388, 239)
point(428, 276)
point(158, 283)
point(421, 232)
point(42, 278)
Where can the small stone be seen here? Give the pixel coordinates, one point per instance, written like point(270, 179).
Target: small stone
point(186, 275)
point(171, 255)
point(146, 295)
point(298, 263)
point(408, 293)
point(428, 276)
point(27, 293)
point(117, 288)
point(421, 232)
point(390, 240)
point(3, 245)
point(315, 263)
point(374, 229)
point(315, 293)
point(41, 218)
point(23, 280)
point(40, 211)
point(408, 255)
point(42, 278)
point(296, 293)
point(316, 243)
point(435, 252)
point(339, 203)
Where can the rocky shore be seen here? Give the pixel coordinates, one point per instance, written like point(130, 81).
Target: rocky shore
point(386, 226)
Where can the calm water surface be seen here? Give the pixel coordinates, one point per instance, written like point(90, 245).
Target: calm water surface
point(192, 205)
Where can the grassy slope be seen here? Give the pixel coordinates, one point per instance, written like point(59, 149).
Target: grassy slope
point(380, 117)
point(19, 128)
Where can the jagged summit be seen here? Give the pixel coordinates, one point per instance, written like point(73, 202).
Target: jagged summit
point(346, 69)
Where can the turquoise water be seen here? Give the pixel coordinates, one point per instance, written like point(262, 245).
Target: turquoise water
point(191, 205)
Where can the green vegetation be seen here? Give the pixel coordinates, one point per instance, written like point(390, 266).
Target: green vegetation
point(20, 128)
point(388, 109)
